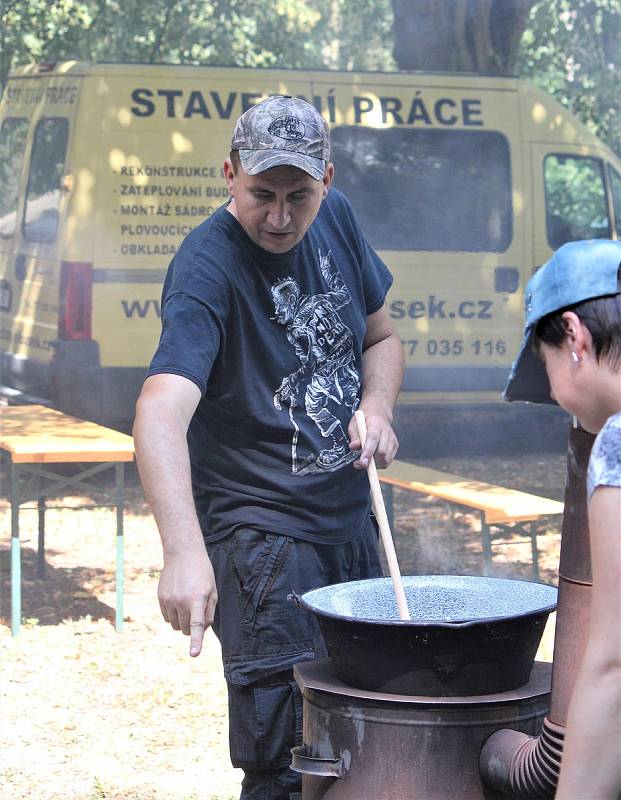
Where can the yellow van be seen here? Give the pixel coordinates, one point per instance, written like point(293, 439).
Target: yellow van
point(464, 184)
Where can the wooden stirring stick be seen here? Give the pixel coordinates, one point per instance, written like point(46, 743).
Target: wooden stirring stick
point(379, 509)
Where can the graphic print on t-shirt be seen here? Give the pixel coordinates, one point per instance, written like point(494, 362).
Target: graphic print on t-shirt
point(324, 347)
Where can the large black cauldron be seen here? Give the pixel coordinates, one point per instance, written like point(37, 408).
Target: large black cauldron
point(467, 635)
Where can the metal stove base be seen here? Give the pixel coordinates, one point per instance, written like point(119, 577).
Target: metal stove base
point(362, 745)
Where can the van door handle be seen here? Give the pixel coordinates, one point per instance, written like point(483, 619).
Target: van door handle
point(506, 279)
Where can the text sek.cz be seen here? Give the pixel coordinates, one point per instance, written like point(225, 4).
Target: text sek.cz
point(435, 308)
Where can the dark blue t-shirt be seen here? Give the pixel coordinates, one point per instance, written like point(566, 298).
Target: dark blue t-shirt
point(274, 342)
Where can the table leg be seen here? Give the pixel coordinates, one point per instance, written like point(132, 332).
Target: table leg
point(450, 508)
point(487, 545)
point(120, 498)
point(16, 559)
point(534, 550)
point(41, 541)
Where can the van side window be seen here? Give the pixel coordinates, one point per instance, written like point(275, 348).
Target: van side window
point(12, 146)
point(47, 162)
point(575, 199)
point(427, 189)
point(615, 185)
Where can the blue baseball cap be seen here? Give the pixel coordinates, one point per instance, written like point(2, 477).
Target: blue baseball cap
point(577, 271)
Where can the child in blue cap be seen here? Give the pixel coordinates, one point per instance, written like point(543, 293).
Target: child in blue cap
point(571, 355)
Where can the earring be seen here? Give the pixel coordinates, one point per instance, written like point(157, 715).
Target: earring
point(575, 358)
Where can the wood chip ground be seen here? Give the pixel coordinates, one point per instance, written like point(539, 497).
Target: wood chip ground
point(89, 714)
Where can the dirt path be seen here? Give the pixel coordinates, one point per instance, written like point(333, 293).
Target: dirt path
point(88, 714)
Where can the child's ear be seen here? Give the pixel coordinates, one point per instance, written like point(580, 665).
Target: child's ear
point(577, 334)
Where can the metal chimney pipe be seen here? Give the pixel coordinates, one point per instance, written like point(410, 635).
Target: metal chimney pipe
point(517, 764)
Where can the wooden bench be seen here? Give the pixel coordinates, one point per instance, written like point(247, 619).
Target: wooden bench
point(36, 440)
point(498, 507)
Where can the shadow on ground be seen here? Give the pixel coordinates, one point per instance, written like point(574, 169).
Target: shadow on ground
point(63, 594)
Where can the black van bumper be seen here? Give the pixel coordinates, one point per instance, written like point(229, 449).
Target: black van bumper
point(106, 395)
point(74, 382)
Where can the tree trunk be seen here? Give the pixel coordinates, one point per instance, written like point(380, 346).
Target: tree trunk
point(480, 36)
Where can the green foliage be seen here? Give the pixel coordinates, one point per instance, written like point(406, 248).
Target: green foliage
point(359, 36)
point(99, 792)
point(285, 33)
point(572, 50)
point(570, 47)
point(12, 146)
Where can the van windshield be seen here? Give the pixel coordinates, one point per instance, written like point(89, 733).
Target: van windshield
point(46, 168)
point(427, 190)
point(12, 145)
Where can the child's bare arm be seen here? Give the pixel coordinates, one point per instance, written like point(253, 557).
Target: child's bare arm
point(591, 765)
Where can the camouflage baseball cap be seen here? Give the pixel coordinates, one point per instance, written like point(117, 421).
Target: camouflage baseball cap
point(282, 130)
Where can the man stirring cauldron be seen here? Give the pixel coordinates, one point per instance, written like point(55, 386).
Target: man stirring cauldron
point(274, 331)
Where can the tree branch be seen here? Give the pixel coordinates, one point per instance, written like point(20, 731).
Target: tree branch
point(158, 42)
point(459, 35)
point(462, 51)
point(507, 26)
point(483, 51)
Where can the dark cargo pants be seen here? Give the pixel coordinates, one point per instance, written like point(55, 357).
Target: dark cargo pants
point(263, 634)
